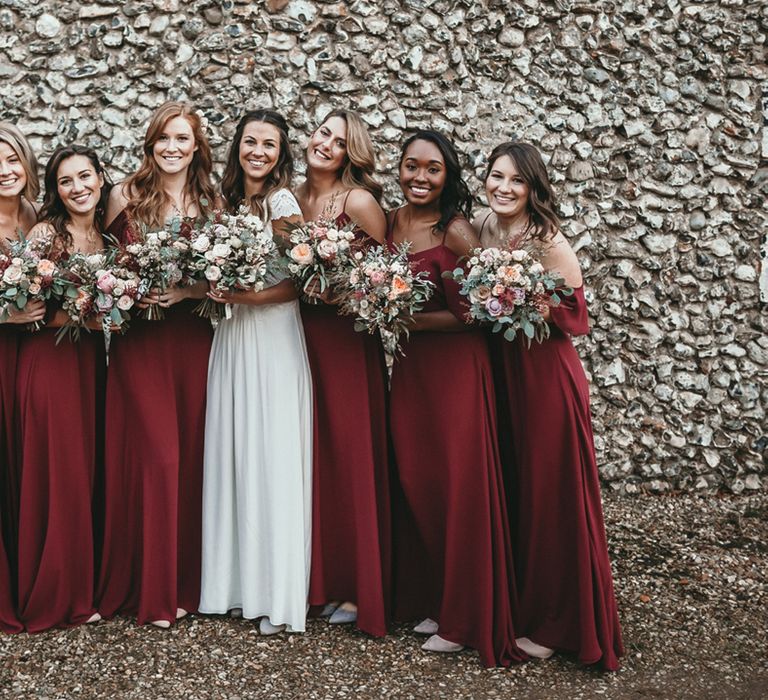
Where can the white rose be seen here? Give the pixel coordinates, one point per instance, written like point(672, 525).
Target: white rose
point(201, 243)
point(327, 249)
point(519, 255)
point(221, 250)
point(213, 273)
point(13, 274)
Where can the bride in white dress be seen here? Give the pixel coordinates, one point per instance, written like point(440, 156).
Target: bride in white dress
point(257, 499)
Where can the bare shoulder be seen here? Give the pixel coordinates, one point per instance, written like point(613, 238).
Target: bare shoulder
point(359, 199)
point(460, 237)
point(559, 256)
point(479, 220)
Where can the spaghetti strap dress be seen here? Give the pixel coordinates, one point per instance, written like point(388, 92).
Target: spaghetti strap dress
point(9, 340)
point(565, 588)
point(351, 474)
point(155, 422)
point(58, 400)
point(453, 559)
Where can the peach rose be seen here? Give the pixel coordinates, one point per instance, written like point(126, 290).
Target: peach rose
point(46, 267)
point(302, 254)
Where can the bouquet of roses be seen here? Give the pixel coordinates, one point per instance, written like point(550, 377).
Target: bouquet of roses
point(160, 259)
point(320, 250)
point(100, 287)
point(510, 289)
point(28, 273)
point(231, 252)
point(383, 291)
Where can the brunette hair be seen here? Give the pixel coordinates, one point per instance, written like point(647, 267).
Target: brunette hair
point(360, 162)
point(10, 134)
point(542, 205)
point(233, 181)
point(53, 210)
point(146, 197)
point(455, 199)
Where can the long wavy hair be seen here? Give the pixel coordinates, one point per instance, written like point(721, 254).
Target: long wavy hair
point(360, 163)
point(233, 181)
point(542, 204)
point(10, 134)
point(147, 199)
point(455, 199)
point(53, 210)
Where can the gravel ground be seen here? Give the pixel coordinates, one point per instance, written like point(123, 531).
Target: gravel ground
point(691, 579)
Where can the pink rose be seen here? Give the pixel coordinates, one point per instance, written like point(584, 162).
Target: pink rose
point(124, 303)
point(493, 307)
point(106, 282)
point(377, 277)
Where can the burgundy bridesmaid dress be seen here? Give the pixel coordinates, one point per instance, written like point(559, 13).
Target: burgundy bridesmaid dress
point(351, 495)
point(453, 560)
point(155, 421)
point(565, 590)
point(8, 492)
point(57, 401)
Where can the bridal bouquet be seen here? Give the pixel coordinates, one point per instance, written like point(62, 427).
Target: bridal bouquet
point(27, 273)
point(319, 251)
point(160, 259)
point(510, 289)
point(383, 291)
point(231, 252)
point(100, 287)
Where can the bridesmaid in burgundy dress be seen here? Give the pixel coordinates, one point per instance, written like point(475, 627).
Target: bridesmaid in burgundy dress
point(565, 590)
point(452, 557)
point(18, 189)
point(58, 401)
point(155, 416)
point(351, 513)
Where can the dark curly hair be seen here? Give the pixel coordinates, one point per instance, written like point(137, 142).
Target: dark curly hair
point(455, 199)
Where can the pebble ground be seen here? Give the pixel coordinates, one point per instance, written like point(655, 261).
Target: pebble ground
point(691, 580)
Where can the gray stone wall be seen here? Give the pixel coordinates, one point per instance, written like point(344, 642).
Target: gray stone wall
point(649, 112)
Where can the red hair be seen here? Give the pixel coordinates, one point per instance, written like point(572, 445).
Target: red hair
point(147, 200)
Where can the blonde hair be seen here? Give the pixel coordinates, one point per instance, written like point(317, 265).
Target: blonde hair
point(10, 134)
point(360, 162)
point(146, 197)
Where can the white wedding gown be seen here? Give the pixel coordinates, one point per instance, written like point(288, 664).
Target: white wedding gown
point(257, 486)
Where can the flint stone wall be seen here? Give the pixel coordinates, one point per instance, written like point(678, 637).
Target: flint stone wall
point(650, 113)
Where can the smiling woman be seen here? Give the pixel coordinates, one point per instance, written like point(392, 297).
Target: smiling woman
point(59, 396)
point(258, 431)
point(155, 411)
point(18, 189)
point(351, 510)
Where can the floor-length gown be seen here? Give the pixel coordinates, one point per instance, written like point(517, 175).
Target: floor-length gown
point(452, 556)
point(57, 401)
point(8, 496)
point(565, 589)
point(351, 492)
point(257, 486)
point(155, 421)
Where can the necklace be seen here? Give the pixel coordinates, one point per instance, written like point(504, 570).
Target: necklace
point(511, 237)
